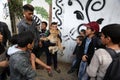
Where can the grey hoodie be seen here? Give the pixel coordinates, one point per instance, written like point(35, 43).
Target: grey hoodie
point(13, 49)
point(20, 65)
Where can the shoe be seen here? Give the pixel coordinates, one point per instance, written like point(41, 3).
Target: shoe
point(58, 70)
point(70, 71)
point(50, 74)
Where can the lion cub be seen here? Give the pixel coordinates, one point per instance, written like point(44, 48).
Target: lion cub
point(53, 38)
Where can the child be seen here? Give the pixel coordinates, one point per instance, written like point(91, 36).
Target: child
point(23, 63)
point(20, 65)
point(33, 58)
point(49, 55)
point(3, 60)
point(102, 59)
point(77, 53)
point(89, 45)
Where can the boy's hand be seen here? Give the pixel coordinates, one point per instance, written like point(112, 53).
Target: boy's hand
point(48, 68)
point(84, 58)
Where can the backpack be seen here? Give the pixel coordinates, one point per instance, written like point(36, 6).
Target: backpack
point(113, 71)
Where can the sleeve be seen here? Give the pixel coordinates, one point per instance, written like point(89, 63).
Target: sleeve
point(20, 28)
point(24, 67)
point(74, 52)
point(93, 66)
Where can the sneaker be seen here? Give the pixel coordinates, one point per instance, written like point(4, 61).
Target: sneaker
point(58, 70)
point(70, 71)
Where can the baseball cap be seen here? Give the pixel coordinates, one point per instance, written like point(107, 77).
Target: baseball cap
point(94, 25)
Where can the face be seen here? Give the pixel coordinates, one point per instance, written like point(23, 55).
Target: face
point(104, 39)
point(88, 31)
point(30, 46)
point(53, 26)
point(78, 41)
point(43, 26)
point(28, 15)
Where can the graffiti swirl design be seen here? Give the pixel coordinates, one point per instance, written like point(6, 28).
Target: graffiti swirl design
point(80, 15)
point(58, 12)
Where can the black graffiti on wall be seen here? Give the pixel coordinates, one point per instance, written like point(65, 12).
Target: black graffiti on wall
point(90, 4)
point(81, 16)
point(58, 11)
point(5, 10)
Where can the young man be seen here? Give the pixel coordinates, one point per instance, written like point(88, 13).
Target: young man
point(102, 59)
point(42, 44)
point(89, 45)
point(20, 64)
point(43, 30)
point(30, 23)
point(51, 56)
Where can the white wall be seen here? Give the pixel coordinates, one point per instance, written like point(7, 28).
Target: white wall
point(4, 13)
point(110, 12)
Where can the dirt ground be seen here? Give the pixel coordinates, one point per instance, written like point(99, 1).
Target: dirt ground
point(43, 75)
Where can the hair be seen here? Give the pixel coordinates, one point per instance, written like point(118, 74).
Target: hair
point(28, 7)
point(81, 38)
point(44, 22)
point(83, 30)
point(112, 31)
point(14, 39)
point(54, 23)
point(25, 38)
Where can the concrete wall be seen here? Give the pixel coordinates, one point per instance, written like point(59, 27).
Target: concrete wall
point(71, 14)
point(4, 13)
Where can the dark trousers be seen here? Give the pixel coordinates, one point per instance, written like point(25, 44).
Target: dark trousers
point(76, 64)
point(52, 57)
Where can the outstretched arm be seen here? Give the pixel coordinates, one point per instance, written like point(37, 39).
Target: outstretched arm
point(48, 68)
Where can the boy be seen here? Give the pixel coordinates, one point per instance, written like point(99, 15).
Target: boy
point(51, 56)
point(77, 53)
point(102, 59)
point(89, 45)
point(29, 23)
point(3, 60)
point(20, 65)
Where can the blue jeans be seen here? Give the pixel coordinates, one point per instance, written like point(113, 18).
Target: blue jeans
point(82, 75)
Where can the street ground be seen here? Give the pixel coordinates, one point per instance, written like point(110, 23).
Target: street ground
point(43, 75)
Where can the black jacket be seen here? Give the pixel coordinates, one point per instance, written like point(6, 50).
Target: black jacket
point(94, 44)
point(77, 52)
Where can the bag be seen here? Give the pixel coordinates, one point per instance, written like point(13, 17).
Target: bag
point(113, 71)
